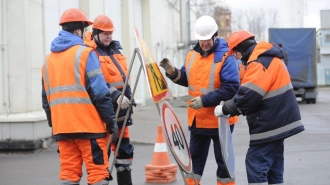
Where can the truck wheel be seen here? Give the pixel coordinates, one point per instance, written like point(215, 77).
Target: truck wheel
point(313, 100)
point(308, 101)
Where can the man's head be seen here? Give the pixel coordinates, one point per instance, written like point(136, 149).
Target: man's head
point(103, 29)
point(75, 21)
point(206, 31)
point(240, 41)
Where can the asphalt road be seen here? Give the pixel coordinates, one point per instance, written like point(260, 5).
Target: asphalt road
point(307, 154)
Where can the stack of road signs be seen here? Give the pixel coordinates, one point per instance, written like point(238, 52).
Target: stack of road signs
point(160, 170)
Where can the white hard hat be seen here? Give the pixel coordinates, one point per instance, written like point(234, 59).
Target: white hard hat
point(205, 28)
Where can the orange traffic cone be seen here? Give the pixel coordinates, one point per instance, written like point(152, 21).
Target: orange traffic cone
point(160, 170)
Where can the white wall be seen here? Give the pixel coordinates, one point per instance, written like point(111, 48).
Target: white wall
point(25, 51)
point(34, 24)
point(4, 82)
point(293, 13)
point(322, 68)
point(162, 34)
point(52, 11)
point(113, 10)
point(27, 28)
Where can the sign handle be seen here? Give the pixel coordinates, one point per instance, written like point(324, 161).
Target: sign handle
point(184, 176)
point(193, 174)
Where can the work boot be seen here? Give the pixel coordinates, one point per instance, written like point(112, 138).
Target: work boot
point(124, 177)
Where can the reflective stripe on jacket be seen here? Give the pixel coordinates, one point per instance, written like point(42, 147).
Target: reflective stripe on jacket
point(266, 96)
point(203, 77)
point(72, 110)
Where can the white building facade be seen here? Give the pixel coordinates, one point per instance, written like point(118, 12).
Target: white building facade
point(27, 28)
point(324, 65)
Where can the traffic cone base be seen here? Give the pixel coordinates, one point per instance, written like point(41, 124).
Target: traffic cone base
point(160, 170)
point(159, 174)
point(173, 170)
point(165, 167)
point(152, 177)
point(161, 181)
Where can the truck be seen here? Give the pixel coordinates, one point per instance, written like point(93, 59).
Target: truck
point(300, 45)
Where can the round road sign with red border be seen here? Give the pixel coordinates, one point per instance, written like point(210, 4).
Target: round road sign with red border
point(175, 137)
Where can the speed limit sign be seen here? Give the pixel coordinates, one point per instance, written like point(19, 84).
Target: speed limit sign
point(175, 137)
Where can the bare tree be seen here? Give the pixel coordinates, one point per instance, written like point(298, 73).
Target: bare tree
point(238, 21)
point(255, 21)
point(273, 18)
point(205, 7)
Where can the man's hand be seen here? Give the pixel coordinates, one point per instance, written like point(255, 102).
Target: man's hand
point(229, 108)
point(218, 110)
point(167, 65)
point(196, 103)
point(125, 103)
point(112, 128)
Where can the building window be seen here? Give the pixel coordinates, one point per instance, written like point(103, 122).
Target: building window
point(327, 38)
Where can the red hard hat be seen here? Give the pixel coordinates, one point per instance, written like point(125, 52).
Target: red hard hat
point(104, 23)
point(237, 37)
point(74, 15)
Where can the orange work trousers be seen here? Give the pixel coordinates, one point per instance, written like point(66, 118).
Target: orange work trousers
point(93, 152)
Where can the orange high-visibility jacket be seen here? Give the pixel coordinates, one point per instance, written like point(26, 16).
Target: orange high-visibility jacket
point(203, 77)
point(112, 74)
point(72, 110)
point(241, 72)
point(266, 96)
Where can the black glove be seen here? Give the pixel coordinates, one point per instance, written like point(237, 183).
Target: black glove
point(112, 128)
point(230, 108)
point(224, 110)
point(133, 103)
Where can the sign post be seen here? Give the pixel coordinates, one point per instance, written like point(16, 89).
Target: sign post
point(136, 52)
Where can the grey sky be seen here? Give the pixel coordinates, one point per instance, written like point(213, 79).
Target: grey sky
point(312, 8)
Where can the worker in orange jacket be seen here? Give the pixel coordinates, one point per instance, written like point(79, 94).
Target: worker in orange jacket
point(77, 103)
point(211, 76)
point(114, 67)
point(268, 100)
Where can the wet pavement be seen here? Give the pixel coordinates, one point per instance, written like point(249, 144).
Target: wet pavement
point(307, 154)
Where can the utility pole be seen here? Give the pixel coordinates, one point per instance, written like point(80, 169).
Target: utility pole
point(184, 40)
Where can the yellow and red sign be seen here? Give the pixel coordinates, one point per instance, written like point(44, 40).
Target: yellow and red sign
point(157, 84)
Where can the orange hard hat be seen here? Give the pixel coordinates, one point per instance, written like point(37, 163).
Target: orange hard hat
point(104, 23)
point(74, 15)
point(238, 37)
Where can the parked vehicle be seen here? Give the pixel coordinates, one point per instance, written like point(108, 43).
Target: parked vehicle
point(300, 45)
